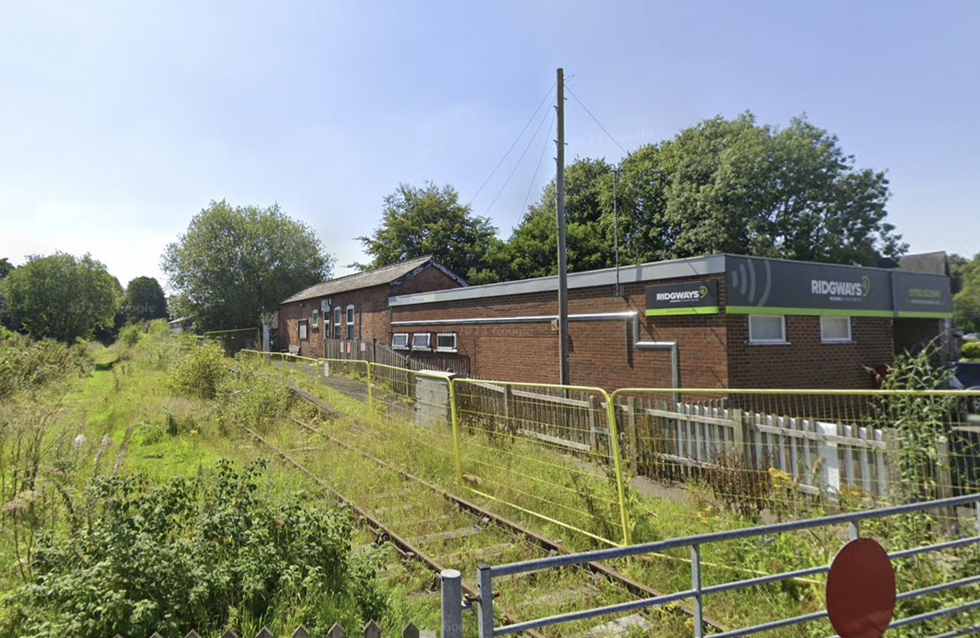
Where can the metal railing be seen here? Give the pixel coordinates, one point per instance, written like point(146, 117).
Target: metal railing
point(486, 575)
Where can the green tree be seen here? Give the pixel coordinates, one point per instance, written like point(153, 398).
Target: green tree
point(233, 262)
point(730, 186)
point(430, 221)
point(966, 292)
point(62, 297)
point(145, 300)
point(5, 269)
point(532, 250)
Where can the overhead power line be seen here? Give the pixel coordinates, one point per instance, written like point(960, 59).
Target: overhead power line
point(519, 161)
point(519, 136)
point(595, 120)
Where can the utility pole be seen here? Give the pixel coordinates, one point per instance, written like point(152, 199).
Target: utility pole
point(560, 212)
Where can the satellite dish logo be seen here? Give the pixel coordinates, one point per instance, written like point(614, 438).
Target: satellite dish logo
point(755, 288)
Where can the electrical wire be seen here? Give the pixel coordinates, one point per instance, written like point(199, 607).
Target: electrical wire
point(517, 165)
point(519, 136)
point(534, 178)
point(595, 120)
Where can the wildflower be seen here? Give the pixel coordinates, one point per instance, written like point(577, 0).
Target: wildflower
point(79, 440)
point(193, 432)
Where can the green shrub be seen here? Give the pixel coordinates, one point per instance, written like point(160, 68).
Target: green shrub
point(253, 399)
point(200, 371)
point(129, 336)
point(27, 365)
point(970, 350)
point(203, 554)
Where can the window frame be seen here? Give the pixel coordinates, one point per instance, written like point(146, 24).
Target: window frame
point(303, 330)
point(782, 324)
point(850, 333)
point(408, 341)
point(453, 348)
point(428, 342)
point(315, 319)
point(336, 322)
point(350, 322)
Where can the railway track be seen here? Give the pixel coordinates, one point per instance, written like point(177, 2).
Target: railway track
point(454, 532)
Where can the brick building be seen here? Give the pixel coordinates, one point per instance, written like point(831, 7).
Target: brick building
point(719, 321)
point(344, 316)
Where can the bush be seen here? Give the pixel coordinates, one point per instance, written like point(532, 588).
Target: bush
point(970, 350)
point(200, 372)
point(253, 399)
point(129, 336)
point(202, 554)
point(27, 365)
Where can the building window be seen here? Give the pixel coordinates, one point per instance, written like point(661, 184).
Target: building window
point(316, 319)
point(422, 341)
point(446, 342)
point(350, 323)
point(303, 330)
point(336, 322)
point(767, 329)
point(399, 341)
point(835, 329)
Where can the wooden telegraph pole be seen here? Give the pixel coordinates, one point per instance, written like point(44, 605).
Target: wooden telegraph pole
point(560, 212)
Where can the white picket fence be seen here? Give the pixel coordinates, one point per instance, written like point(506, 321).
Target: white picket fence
point(820, 457)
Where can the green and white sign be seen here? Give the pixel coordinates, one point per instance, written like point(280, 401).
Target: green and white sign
point(921, 295)
point(688, 298)
point(777, 287)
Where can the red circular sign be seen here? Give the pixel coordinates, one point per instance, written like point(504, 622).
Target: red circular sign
point(861, 590)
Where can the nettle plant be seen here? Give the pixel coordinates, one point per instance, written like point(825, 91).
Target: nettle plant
point(205, 553)
point(919, 419)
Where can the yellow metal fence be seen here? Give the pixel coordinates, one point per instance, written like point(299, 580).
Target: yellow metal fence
point(566, 454)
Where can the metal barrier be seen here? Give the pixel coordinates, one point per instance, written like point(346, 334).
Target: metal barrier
point(935, 603)
point(549, 451)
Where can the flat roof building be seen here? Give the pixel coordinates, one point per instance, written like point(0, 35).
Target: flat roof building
point(720, 321)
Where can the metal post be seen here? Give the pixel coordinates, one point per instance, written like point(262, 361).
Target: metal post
point(618, 465)
point(854, 530)
point(484, 600)
point(455, 424)
point(370, 391)
point(452, 605)
point(696, 586)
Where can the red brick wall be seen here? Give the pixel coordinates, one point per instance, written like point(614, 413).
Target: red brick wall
point(601, 352)
point(370, 312)
point(806, 362)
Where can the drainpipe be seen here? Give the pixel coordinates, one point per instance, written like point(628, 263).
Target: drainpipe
point(675, 359)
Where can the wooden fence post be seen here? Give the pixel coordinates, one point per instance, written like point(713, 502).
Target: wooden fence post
point(631, 433)
point(593, 426)
point(738, 434)
point(893, 451)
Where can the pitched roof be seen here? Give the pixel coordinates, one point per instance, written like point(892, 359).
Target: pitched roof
point(390, 275)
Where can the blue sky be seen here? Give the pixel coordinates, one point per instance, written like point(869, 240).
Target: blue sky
point(119, 121)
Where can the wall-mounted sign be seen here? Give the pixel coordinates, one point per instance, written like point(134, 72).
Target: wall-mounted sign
point(777, 287)
point(921, 295)
point(688, 298)
point(768, 286)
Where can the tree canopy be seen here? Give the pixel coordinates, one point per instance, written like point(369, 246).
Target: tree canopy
point(145, 300)
point(62, 297)
point(731, 186)
point(431, 221)
point(233, 263)
point(966, 292)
